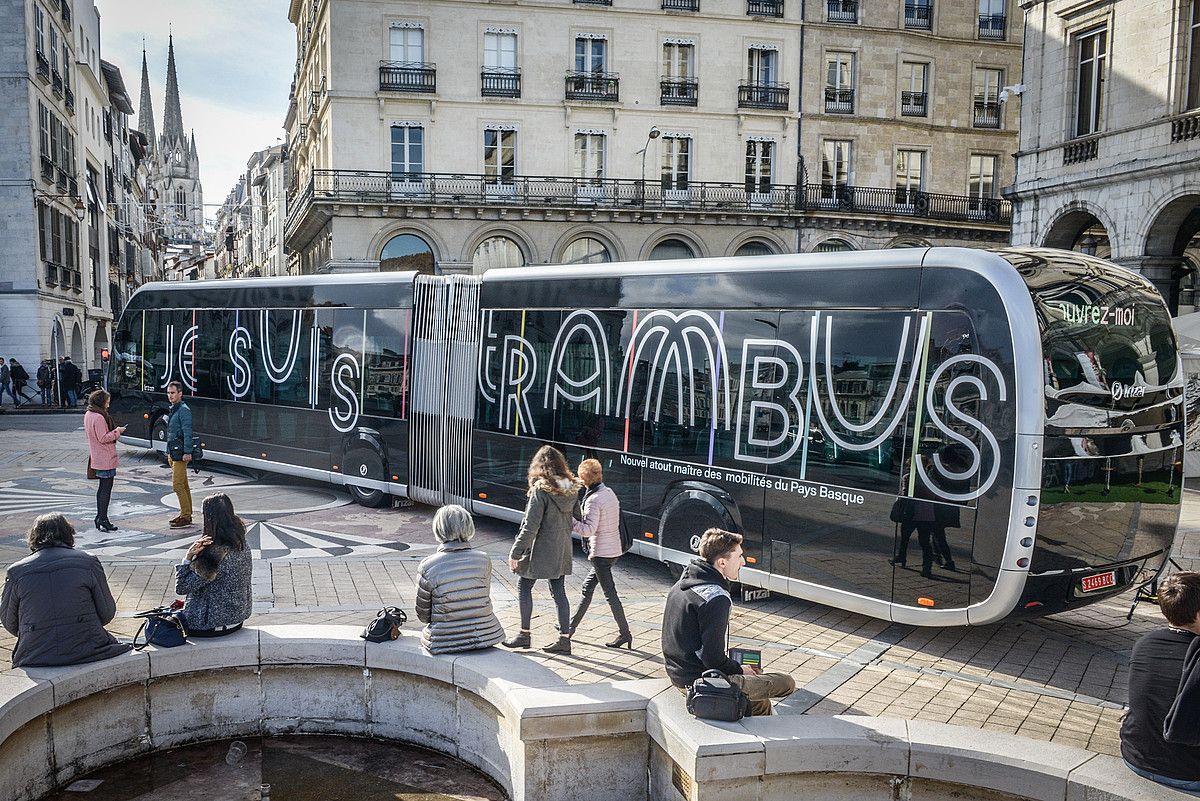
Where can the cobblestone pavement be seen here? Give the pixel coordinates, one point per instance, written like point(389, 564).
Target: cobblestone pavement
point(321, 559)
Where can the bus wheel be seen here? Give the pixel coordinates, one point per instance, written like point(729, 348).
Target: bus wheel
point(362, 462)
point(158, 431)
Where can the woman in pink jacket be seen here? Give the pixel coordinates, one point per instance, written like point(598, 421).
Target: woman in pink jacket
point(102, 434)
point(601, 532)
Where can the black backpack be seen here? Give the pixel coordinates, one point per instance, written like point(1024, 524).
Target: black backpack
point(386, 625)
point(714, 697)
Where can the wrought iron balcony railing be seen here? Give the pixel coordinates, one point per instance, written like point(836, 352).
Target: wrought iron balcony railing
point(407, 76)
point(839, 101)
point(914, 104)
point(992, 26)
point(56, 82)
point(69, 99)
point(681, 5)
point(763, 95)
point(442, 189)
point(764, 8)
point(678, 91)
point(43, 66)
point(987, 115)
point(500, 82)
point(602, 86)
point(47, 170)
point(918, 16)
point(592, 2)
point(845, 11)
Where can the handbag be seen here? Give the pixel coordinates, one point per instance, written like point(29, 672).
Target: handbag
point(626, 537)
point(386, 625)
point(162, 626)
point(197, 450)
point(91, 471)
point(714, 697)
point(902, 510)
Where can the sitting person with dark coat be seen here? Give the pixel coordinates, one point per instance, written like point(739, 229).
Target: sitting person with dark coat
point(1160, 735)
point(57, 602)
point(215, 573)
point(454, 589)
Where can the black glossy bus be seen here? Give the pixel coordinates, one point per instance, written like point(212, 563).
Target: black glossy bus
point(933, 436)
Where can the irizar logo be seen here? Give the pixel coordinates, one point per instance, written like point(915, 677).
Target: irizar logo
point(694, 543)
point(1122, 391)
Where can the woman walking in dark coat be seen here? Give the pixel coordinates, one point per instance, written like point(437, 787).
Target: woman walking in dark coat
point(454, 589)
point(542, 549)
point(56, 601)
point(215, 573)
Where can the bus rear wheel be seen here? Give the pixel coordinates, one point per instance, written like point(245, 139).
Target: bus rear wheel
point(364, 463)
point(158, 432)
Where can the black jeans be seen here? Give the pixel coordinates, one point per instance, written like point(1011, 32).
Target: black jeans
point(558, 589)
point(601, 574)
point(103, 496)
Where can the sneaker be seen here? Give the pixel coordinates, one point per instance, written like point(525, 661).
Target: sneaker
point(180, 522)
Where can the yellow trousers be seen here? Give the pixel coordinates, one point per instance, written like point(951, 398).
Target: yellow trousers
point(179, 483)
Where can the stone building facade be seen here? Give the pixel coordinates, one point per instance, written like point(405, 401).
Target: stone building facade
point(1109, 158)
point(249, 231)
point(458, 136)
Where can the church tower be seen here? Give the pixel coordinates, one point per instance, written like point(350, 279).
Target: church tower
point(175, 190)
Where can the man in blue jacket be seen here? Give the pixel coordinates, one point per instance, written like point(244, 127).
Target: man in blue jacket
point(179, 452)
point(696, 621)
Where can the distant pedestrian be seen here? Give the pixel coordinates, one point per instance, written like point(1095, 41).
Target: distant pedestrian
point(20, 377)
point(215, 573)
point(6, 383)
point(179, 452)
point(72, 379)
point(542, 549)
point(454, 589)
point(45, 381)
point(102, 434)
point(600, 529)
point(56, 601)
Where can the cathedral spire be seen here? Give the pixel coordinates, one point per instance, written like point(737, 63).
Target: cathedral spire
point(193, 146)
point(145, 117)
point(172, 116)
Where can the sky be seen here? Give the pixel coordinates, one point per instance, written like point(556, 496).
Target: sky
point(234, 61)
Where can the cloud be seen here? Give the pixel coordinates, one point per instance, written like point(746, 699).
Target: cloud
point(234, 61)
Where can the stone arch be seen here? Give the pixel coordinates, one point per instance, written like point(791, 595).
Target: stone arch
point(58, 340)
point(76, 352)
point(1068, 225)
point(99, 343)
point(398, 228)
point(692, 241)
point(904, 241)
point(484, 233)
point(835, 244)
point(615, 246)
point(767, 238)
point(1169, 228)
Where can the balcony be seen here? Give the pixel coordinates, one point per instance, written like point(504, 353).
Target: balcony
point(69, 99)
point(56, 82)
point(839, 101)
point(66, 14)
point(993, 26)
point(61, 181)
point(914, 104)
point(681, 5)
point(51, 273)
point(678, 91)
point(598, 86)
point(987, 115)
point(407, 76)
point(592, 2)
point(918, 16)
point(763, 95)
point(1081, 150)
point(43, 67)
point(47, 170)
point(843, 11)
point(764, 8)
point(499, 82)
point(1185, 127)
point(902, 202)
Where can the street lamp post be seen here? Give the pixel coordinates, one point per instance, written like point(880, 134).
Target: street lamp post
point(653, 134)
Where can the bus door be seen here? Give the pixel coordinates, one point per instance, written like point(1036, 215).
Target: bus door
point(835, 474)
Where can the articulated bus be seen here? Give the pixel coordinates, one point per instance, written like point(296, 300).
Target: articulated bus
point(1020, 411)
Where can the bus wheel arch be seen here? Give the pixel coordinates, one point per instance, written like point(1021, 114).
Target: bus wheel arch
point(689, 509)
point(364, 456)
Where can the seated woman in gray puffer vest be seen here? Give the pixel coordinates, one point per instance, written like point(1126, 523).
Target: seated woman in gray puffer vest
point(454, 593)
point(56, 601)
point(215, 573)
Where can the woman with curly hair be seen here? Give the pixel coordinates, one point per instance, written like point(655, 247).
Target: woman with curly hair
point(542, 549)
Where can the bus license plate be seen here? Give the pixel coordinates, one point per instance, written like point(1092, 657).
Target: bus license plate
point(1098, 582)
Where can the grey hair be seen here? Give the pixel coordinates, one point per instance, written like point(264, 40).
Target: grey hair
point(453, 523)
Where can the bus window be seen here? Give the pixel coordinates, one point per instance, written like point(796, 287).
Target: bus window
point(210, 348)
point(126, 368)
point(763, 375)
point(514, 352)
point(386, 362)
point(586, 362)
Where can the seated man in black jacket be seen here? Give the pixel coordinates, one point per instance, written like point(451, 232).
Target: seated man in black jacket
point(696, 620)
point(1160, 736)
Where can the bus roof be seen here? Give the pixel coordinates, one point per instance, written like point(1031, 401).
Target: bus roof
point(392, 290)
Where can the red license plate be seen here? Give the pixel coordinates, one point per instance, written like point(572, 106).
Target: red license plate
point(1098, 582)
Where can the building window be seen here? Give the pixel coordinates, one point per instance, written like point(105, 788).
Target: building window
point(755, 248)
point(914, 95)
point(1193, 85)
point(496, 252)
point(586, 250)
point(987, 97)
point(180, 204)
point(54, 48)
point(834, 246)
point(39, 25)
point(839, 83)
point(499, 155)
point(501, 78)
point(918, 15)
point(845, 11)
point(1091, 49)
point(677, 163)
point(835, 166)
point(672, 249)
point(760, 66)
point(993, 20)
point(981, 186)
point(407, 45)
point(760, 158)
point(590, 54)
point(46, 150)
point(408, 152)
point(678, 86)
point(406, 252)
point(589, 155)
point(910, 176)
